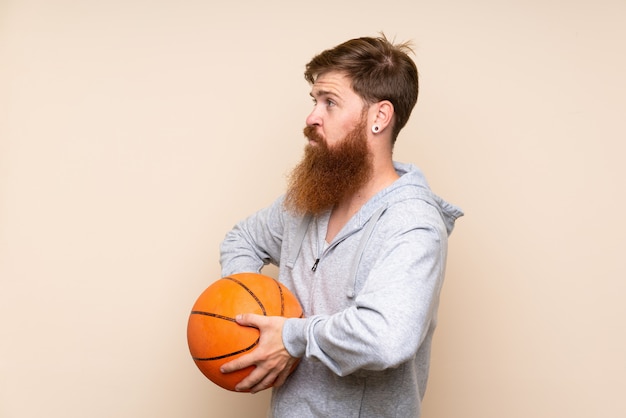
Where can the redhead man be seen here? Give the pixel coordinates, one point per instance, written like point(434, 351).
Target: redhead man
point(360, 239)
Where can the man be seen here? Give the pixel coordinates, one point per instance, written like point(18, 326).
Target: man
point(360, 240)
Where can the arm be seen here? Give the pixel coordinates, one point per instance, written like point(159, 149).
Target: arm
point(253, 242)
point(250, 245)
point(392, 315)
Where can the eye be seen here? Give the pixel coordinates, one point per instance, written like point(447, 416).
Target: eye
point(327, 102)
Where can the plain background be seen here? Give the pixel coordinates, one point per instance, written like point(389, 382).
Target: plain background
point(134, 134)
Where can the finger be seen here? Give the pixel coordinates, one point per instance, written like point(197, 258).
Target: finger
point(238, 364)
point(282, 376)
point(259, 379)
point(265, 383)
point(249, 320)
point(281, 379)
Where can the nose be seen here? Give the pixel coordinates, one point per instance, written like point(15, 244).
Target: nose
point(314, 118)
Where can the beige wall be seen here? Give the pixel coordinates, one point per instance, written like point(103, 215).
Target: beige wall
point(134, 134)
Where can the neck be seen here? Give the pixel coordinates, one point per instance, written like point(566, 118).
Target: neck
point(382, 178)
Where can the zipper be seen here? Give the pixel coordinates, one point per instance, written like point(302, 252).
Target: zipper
point(367, 228)
point(326, 246)
point(317, 261)
point(320, 248)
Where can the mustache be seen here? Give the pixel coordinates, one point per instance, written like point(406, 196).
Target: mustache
point(312, 134)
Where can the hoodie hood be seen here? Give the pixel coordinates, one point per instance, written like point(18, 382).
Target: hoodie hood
point(412, 184)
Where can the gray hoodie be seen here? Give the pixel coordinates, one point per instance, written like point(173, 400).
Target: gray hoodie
point(370, 298)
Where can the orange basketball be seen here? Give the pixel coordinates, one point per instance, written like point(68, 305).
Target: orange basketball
point(215, 338)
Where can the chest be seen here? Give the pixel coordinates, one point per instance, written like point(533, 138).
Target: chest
point(324, 276)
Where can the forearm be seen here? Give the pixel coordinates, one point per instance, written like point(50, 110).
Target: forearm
point(390, 317)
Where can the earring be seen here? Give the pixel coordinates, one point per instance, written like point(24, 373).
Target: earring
point(375, 129)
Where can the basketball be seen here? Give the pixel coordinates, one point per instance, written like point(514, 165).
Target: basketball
point(213, 336)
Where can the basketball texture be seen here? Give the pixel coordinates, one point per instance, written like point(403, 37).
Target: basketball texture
point(213, 336)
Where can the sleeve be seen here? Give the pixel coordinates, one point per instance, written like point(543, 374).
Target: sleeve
point(392, 315)
point(254, 242)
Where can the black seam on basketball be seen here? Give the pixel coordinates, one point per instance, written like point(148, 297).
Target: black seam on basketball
point(282, 299)
point(227, 355)
point(214, 315)
point(250, 292)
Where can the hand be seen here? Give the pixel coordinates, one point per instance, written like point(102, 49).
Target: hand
point(273, 362)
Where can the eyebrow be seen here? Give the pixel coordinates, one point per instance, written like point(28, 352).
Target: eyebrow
point(319, 93)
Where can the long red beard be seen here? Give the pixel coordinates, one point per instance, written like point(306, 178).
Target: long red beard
point(326, 175)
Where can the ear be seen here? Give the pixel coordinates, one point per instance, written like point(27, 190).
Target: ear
point(382, 115)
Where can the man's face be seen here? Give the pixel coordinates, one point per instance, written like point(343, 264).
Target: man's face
point(327, 174)
point(337, 108)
